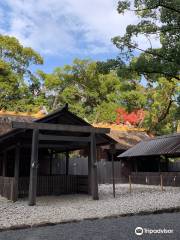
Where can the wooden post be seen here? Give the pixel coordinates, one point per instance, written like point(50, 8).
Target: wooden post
point(50, 162)
point(33, 169)
point(94, 167)
point(89, 170)
point(159, 165)
point(167, 164)
point(130, 184)
point(112, 159)
point(136, 168)
point(161, 179)
point(16, 172)
point(4, 163)
point(67, 163)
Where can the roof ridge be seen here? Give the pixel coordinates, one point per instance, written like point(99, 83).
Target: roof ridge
point(167, 136)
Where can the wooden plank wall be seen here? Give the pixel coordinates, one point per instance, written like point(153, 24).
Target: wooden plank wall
point(79, 166)
point(105, 172)
point(7, 187)
point(55, 185)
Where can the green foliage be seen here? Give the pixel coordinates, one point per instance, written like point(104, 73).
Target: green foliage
point(160, 20)
point(19, 88)
point(82, 87)
point(105, 112)
point(161, 106)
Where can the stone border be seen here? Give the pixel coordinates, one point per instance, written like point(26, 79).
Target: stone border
point(44, 224)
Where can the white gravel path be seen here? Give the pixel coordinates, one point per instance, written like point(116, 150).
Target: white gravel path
point(67, 207)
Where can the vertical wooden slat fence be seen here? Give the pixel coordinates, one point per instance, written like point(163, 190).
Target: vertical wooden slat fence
point(153, 178)
point(55, 185)
point(105, 172)
point(7, 187)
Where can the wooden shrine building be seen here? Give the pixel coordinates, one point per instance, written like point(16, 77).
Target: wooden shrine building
point(151, 158)
point(27, 151)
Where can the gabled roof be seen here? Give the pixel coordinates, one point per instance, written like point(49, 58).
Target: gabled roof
point(164, 145)
point(6, 128)
point(60, 116)
point(6, 118)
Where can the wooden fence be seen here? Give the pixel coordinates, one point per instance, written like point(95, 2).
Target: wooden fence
point(7, 187)
point(154, 178)
point(79, 166)
point(55, 185)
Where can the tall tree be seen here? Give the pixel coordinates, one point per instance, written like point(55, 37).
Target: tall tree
point(162, 106)
point(16, 78)
point(158, 19)
point(82, 87)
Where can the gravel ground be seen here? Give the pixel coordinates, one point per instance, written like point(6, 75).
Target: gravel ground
point(68, 207)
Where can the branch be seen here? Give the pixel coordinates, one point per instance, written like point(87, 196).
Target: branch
point(156, 6)
point(166, 74)
point(169, 8)
point(153, 54)
point(163, 115)
point(166, 112)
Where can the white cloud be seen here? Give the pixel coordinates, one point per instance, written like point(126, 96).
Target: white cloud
point(65, 26)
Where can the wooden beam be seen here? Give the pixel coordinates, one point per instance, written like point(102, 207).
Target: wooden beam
point(61, 147)
point(16, 172)
point(8, 148)
point(33, 169)
point(59, 127)
point(46, 137)
point(94, 168)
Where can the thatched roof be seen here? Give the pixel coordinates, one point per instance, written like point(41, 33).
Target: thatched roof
point(6, 117)
point(128, 139)
point(125, 136)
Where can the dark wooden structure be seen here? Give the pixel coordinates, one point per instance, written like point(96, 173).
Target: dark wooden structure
point(29, 148)
point(147, 161)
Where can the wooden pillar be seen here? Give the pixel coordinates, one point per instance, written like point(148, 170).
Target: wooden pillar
point(67, 163)
point(50, 163)
point(135, 165)
point(159, 164)
point(94, 183)
point(113, 177)
point(167, 164)
point(4, 163)
point(16, 172)
point(33, 169)
point(89, 170)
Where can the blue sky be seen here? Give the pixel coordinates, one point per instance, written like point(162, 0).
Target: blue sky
point(61, 30)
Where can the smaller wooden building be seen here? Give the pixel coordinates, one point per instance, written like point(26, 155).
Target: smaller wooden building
point(29, 149)
point(149, 159)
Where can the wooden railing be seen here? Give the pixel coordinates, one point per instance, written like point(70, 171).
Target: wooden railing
point(7, 187)
point(154, 178)
point(55, 185)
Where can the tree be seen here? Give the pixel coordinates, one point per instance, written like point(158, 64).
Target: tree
point(94, 93)
point(162, 104)
point(17, 82)
point(160, 20)
point(134, 118)
point(83, 88)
